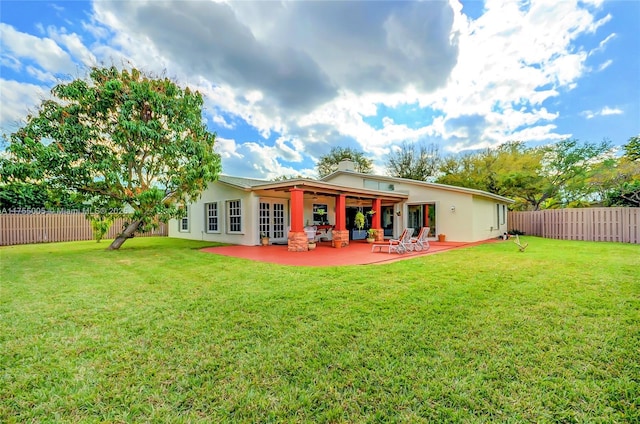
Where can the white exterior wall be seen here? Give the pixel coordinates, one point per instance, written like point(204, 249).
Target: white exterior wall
point(474, 217)
point(457, 224)
point(250, 234)
point(220, 193)
point(487, 223)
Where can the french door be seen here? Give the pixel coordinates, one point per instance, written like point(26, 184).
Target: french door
point(272, 220)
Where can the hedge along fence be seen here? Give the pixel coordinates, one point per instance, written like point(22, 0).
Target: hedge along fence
point(30, 228)
point(591, 224)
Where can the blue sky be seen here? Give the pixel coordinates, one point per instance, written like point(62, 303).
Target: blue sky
point(284, 82)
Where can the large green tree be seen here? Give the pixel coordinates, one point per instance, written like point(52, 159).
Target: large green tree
point(567, 167)
point(511, 170)
point(415, 162)
point(329, 162)
point(19, 195)
point(620, 180)
point(632, 149)
point(120, 139)
point(556, 174)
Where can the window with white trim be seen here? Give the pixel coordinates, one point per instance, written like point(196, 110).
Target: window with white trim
point(501, 216)
point(184, 221)
point(212, 217)
point(234, 216)
point(378, 185)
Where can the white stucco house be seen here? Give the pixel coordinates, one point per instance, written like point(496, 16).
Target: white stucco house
point(238, 210)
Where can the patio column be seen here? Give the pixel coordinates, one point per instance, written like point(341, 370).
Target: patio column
point(297, 240)
point(426, 215)
point(375, 219)
point(297, 210)
point(341, 218)
point(340, 234)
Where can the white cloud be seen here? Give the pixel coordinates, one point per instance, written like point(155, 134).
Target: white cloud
point(605, 65)
point(221, 122)
point(40, 75)
point(56, 7)
point(227, 148)
point(244, 72)
point(94, 28)
point(605, 111)
point(611, 111)
point(503, 66)
point(44, 52)
point(603, 44)
point(17, 100)
point(74, 45)
point(10, 62)
point(512, 59)
point(312, 73)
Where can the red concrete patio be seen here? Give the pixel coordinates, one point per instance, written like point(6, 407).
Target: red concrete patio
point(357, 253)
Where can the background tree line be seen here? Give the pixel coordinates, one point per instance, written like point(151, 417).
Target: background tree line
point(563, 174)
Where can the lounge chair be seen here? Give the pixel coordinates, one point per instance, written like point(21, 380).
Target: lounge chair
point(401, 245)
point(422, 241)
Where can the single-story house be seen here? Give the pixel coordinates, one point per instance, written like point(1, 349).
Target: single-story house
point(241, 210)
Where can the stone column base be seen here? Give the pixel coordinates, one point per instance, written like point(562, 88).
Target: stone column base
point(297, 241)
point(340, 238)
point(379, 235)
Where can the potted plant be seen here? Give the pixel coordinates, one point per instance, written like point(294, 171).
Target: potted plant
point(322, 213)
point(371, 235)
point(312, 245)
point(441, 237)
point(358, 223)
point(264, 239)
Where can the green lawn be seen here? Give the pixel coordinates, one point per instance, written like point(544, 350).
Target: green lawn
point(162, 332)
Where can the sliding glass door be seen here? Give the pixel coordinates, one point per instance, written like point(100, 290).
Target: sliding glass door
point(422, 215)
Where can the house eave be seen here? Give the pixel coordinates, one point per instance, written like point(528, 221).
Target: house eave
point(321, 187)
point(471, 191)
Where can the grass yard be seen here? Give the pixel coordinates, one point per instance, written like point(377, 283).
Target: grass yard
point(161, 332)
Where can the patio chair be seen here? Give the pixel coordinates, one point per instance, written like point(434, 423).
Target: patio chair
point(422, 241)
point(401, 245)
point(312, 233)
point(327, 236)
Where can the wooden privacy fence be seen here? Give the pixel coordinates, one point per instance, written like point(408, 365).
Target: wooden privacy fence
point(592, 224)
point(45, 228)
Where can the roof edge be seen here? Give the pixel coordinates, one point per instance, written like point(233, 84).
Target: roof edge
point(459, 189)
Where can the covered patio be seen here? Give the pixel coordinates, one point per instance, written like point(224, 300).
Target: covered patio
point(357, 253)
point(301, 190)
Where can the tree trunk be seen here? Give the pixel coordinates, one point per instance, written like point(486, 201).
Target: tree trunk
point(126, 234)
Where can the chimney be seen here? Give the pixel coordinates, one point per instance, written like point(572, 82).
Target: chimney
point(346, 165)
